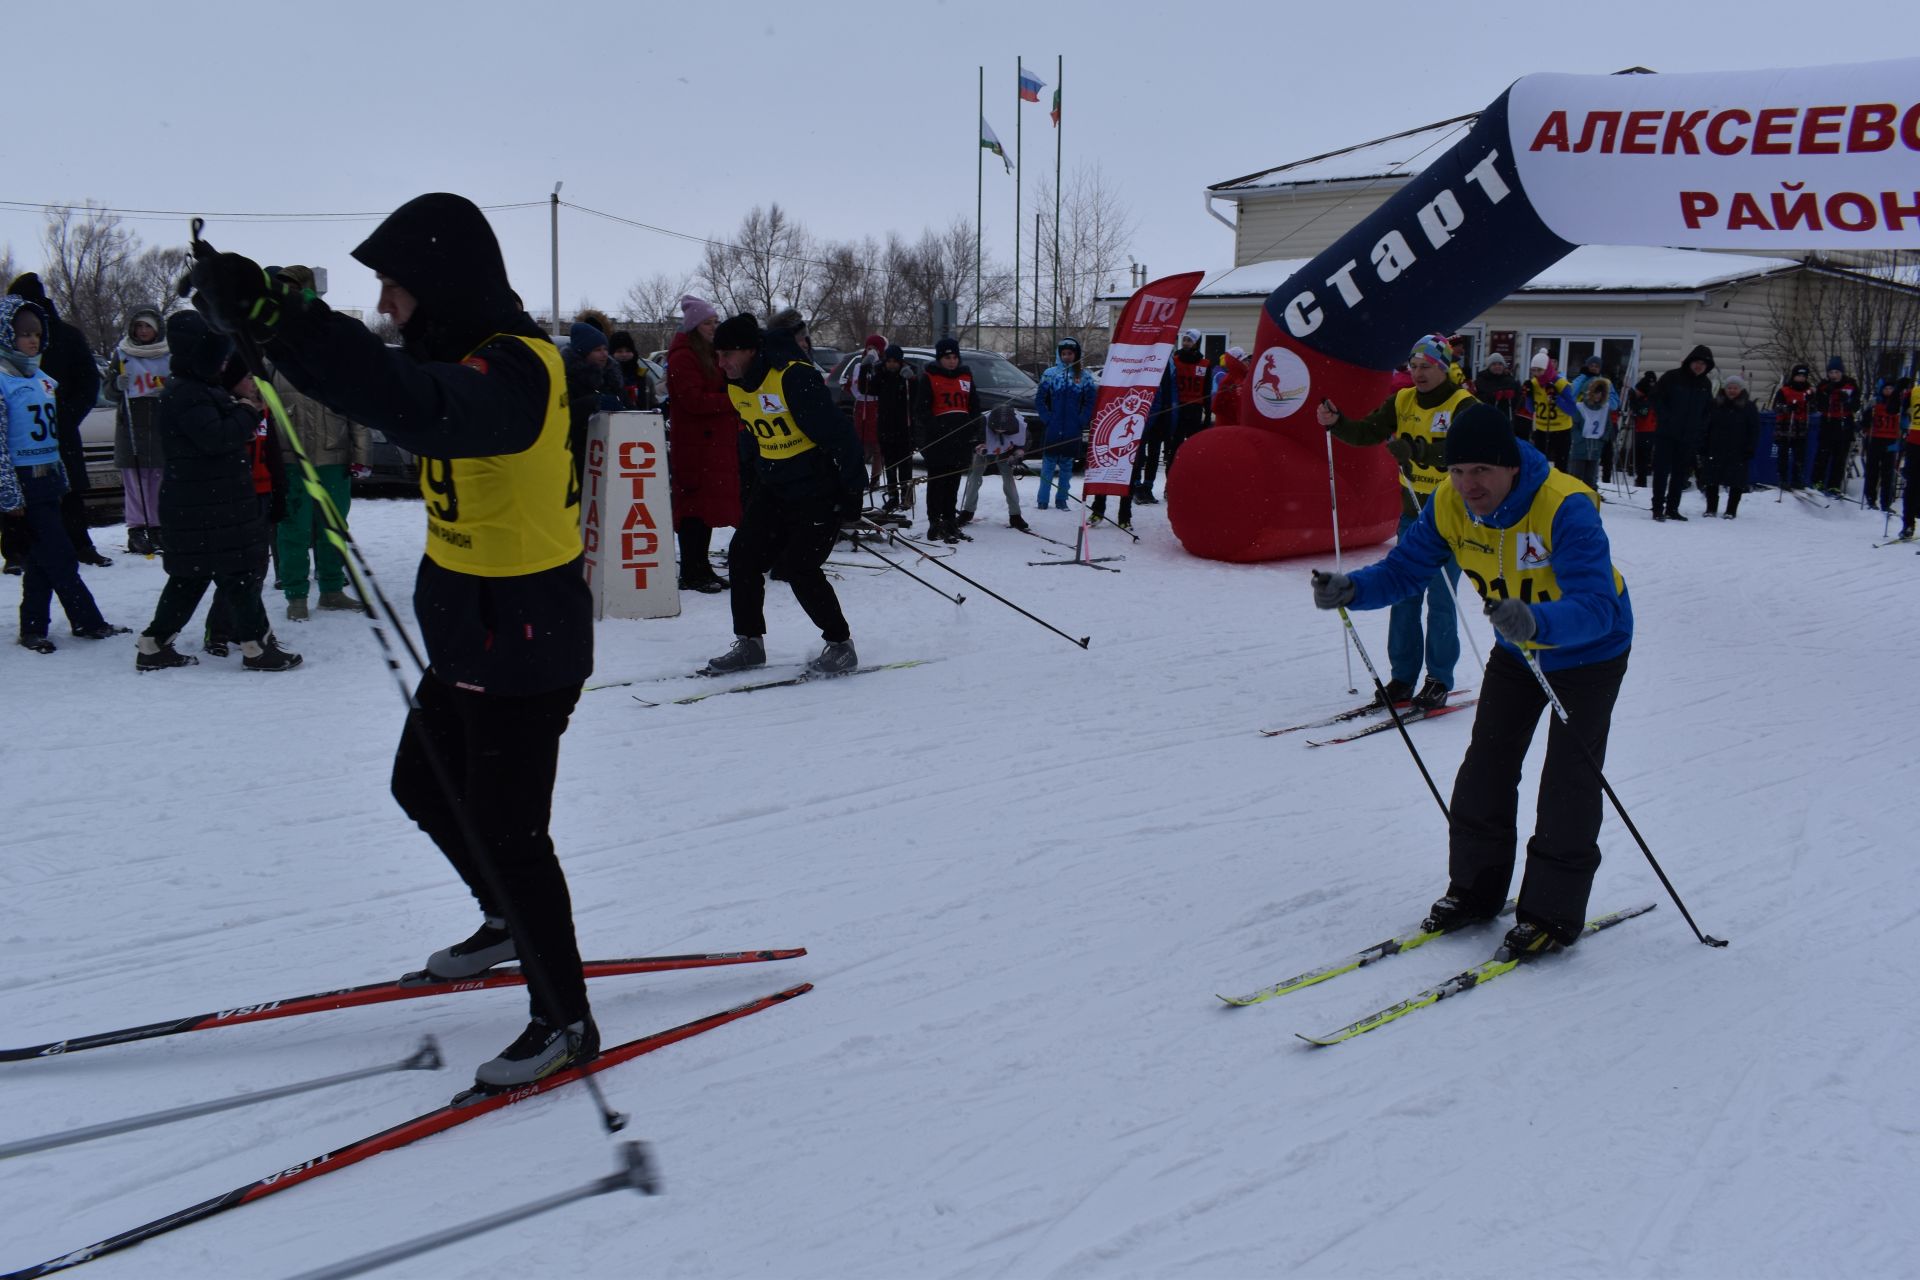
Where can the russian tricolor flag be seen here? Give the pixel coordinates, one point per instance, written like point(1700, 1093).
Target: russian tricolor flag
point(1030, 86)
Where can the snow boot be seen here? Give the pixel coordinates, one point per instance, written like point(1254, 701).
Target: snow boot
point(152, 654)
point(1673, 513)
point(37, 643)
point(341, 602)
point(297, 610)
point(1015, 522)
point(1526, 940)
point(837, 658)
point(542, 1049)
point(140, 541)
point(105, 631)
point(708, 586)
point(267, 655)
point(1397, 692)
point(216, 646)
point(747, 651)
point(490, 945)
point(964, 518)
point(1432, 696)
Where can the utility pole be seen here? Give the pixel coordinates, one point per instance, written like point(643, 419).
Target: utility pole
point(556, 258)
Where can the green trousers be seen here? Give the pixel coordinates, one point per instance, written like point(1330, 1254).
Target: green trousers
point(304, 531)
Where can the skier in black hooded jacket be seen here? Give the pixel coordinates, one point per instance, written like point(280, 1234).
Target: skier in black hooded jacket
point(1681, 399)
point(479, 394)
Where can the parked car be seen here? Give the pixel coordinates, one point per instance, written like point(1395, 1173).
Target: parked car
point(999, 379)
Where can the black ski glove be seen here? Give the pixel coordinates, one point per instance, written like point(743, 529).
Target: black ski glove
point(848, 506)
point(1332, 590)
point(1513, 620)
point(237, 296)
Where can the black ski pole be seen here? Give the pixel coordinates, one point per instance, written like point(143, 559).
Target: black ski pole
point(1380, 691)
point(1533, 664)
point(636, 1172)
point(425, 1058)
point(540, 979)
point(1083, 641)
point(861, 546)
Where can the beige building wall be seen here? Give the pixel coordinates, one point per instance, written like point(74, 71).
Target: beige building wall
point(1300, 223)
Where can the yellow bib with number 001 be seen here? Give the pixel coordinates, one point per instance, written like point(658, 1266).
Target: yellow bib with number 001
point(765, 411)
point(514, 513)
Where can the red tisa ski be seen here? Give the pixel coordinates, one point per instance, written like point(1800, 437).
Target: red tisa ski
point(421, 1126)
point(409, 987)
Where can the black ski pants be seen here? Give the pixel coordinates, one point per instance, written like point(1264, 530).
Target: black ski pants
point(792, 535)
point(1189, 420)
point(1564, 852)
point(1557, 445)
point(1792, 463)
point(500, 756)
point(1882, 459)
point(1910, 503)
point(949, 452)
point(1672, 460)
point(1830, 460)
point(896, 455)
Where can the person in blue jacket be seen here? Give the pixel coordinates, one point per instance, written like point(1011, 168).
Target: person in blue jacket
point(1065, 405)
point(1529, 537)
point(33, 481)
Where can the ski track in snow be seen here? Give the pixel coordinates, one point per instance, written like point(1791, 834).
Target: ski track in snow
point(1021, 872)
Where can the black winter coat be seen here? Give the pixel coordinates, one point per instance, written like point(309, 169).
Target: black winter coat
point(209, 514)
point(1681, 400)
point(1733, 433)
point(459, 389)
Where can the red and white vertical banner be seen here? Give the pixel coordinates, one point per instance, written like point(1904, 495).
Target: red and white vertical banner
point(626, 518)
point(1136, 358)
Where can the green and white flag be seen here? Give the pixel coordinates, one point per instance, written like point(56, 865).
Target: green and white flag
point(992, 143)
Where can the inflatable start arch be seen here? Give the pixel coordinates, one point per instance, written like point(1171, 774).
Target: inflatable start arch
point(1807, 158)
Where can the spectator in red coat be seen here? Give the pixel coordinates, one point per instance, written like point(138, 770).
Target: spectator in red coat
point(703, 449)
point(1228, 384)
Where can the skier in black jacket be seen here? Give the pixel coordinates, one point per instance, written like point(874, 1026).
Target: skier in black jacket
point(479, 395)
point(812, 475)
point(1681, 399)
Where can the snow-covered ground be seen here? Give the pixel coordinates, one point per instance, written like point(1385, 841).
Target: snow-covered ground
point(1022, 873)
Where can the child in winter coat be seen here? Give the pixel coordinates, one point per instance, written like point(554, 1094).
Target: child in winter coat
point(137, 374)
point(1005, 436)
point(890, 384)
point(1640, 410)
point(215, 533)
point(1065, 405)
point(1592, 430)
point(1792, 409)
point(32, 482)
point(1228, 382)
point(1880, 447)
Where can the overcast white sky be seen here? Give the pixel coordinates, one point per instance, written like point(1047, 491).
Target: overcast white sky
point(859, 118)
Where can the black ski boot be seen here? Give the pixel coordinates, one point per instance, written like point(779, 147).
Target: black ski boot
point(267, 655)
point(1432, 696)
point(1398, 692)
point(1526, 940)
point(836, 659)
point(37, 643)
point(747, 651)
point(1450, 913)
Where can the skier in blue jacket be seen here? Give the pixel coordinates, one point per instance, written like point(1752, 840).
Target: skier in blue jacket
point(1065, 405)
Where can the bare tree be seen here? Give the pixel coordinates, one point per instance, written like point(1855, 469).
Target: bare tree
point(767, 264)
point(7, 269)
point(152, 279)
point(653, 306)
point(1867, 312)
point(1096, 232)
point(88, 254)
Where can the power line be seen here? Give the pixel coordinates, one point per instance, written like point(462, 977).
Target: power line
point(154, 215)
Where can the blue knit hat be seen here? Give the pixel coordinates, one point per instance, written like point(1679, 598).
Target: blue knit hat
point(586, 338)
point(1836, 365)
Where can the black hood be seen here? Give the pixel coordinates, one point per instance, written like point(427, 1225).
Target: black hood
point(440, 248)
point(28, 285)
point(195, 350)
point(1699, 353)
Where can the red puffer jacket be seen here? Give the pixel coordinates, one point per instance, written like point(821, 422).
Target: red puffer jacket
point(703, 450)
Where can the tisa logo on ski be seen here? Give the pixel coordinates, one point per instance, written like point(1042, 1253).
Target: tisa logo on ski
point(770, 403)
point(1533, 553)
point(1280, 382)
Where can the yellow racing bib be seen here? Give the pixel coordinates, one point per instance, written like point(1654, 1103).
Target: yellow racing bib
point(514, 513)
point(765, 411)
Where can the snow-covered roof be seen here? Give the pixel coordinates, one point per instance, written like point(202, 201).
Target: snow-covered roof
point(1597, 268)
point(1397, 155)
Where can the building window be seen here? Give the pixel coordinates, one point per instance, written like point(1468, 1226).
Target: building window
point(1619, 353)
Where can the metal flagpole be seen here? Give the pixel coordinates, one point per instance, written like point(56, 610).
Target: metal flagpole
point(1059, 64)
point(1019, 172)
point(979, 165)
